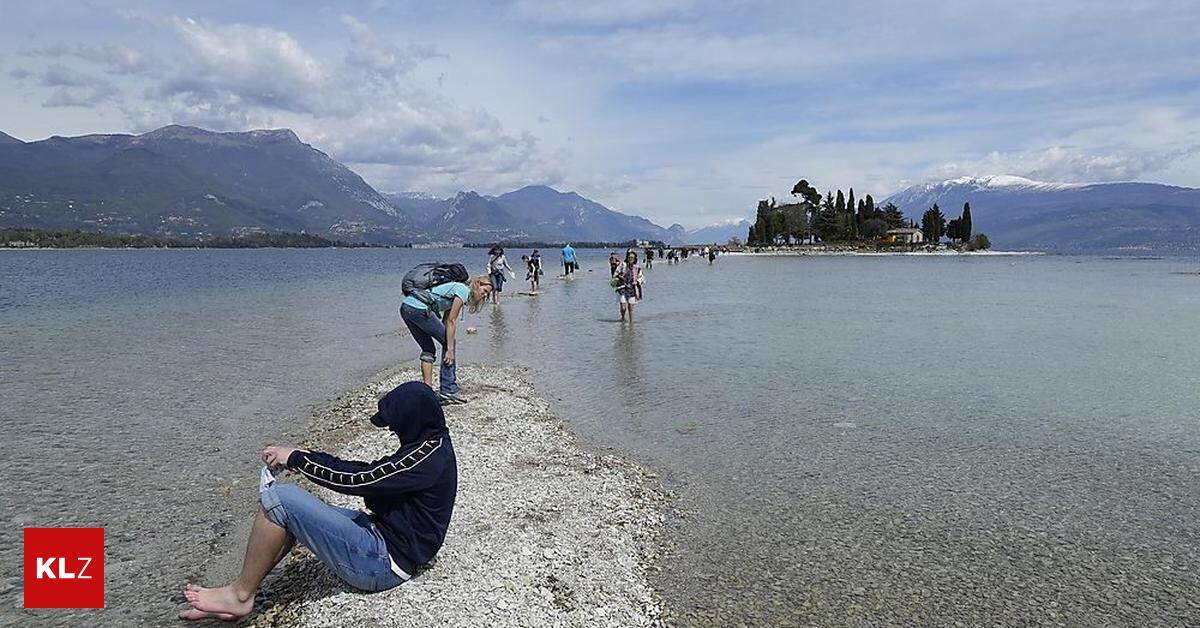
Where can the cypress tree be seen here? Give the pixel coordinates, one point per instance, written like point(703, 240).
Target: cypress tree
point(965, 227)
point(933, 224)
point(852, 218)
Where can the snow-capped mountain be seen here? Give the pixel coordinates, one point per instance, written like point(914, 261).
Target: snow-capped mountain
point(1019, 213)
point(953, 187)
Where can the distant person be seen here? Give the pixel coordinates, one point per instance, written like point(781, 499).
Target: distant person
point(613, 262)
point(536, 258)
point(649, 258)
point(408, 498)
point(569, 263)
point(498, 270)
point(531, 272)
point(712, 255)
point(629, 277)
point(438, 320)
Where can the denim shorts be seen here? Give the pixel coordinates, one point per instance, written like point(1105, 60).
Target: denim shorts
point(347, 541)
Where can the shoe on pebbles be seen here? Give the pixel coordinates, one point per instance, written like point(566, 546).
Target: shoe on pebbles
point(451, 398)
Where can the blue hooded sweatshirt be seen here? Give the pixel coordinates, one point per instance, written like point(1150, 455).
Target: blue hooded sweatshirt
point(409, 494)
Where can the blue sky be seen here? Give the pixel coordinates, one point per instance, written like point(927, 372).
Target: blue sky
point(680, 110)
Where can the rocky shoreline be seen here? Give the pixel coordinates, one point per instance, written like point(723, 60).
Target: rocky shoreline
point(544, 532)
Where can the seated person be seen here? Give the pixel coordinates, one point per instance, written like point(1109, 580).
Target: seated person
point(409, 496)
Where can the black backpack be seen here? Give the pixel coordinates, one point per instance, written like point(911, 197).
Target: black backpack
point(420, 280)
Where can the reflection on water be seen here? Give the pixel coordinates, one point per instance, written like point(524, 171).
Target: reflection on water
point(632, 389)
point(498, 328)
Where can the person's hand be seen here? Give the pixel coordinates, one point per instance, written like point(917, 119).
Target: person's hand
point(448, 359)
point(276, 456)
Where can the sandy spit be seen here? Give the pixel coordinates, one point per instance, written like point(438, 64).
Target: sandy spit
point(544, 533)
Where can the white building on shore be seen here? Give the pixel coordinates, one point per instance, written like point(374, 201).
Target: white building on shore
point(907, 235)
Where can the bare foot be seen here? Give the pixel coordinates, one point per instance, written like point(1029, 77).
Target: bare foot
point(192, 614)
point(220, 600)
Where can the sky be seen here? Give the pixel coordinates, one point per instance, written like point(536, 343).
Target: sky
point(683, 111)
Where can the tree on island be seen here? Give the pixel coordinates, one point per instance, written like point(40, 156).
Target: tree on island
point(840, 217)
point(827, 219)
point(873, 228)
point(852, 218)
point(801, 218)
point(959, 229)
point(893, 217)
point(953, 229)
point(933, 224)
point(979, 242)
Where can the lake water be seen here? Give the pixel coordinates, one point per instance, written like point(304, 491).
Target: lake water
point(853, 440)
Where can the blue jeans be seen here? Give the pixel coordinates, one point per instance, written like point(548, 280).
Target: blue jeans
point(426, 327)
point(345, 540)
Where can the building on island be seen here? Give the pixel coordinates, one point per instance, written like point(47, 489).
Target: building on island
point(907, 235)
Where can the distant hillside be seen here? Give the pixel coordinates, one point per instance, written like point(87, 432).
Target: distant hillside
point(554, 215)
point(532, 213)
point(719, 233)
point(1018, 213)
point(187, 182)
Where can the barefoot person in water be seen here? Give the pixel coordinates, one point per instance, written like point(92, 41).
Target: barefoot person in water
point(409, 497)
point(629, 276)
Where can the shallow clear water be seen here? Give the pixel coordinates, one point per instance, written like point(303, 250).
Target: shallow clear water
point(879, 440)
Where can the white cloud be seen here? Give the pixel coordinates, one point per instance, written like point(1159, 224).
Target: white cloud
point(598, 12)
point(683, 110)
point(1068, 164)
point(364, 105)
point(72, 88)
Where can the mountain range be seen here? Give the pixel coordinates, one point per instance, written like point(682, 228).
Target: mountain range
point(181, 181)
point(1019, 213)
point(532, 213)
point(185, 182)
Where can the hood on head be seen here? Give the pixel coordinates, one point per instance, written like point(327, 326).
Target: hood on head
point(411, 410)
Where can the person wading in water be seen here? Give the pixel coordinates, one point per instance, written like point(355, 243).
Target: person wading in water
point(497, 267)
point(629, 277)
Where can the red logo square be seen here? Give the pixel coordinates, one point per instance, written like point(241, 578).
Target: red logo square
point(64, 567)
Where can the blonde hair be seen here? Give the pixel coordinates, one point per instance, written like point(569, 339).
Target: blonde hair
point(475, 299)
